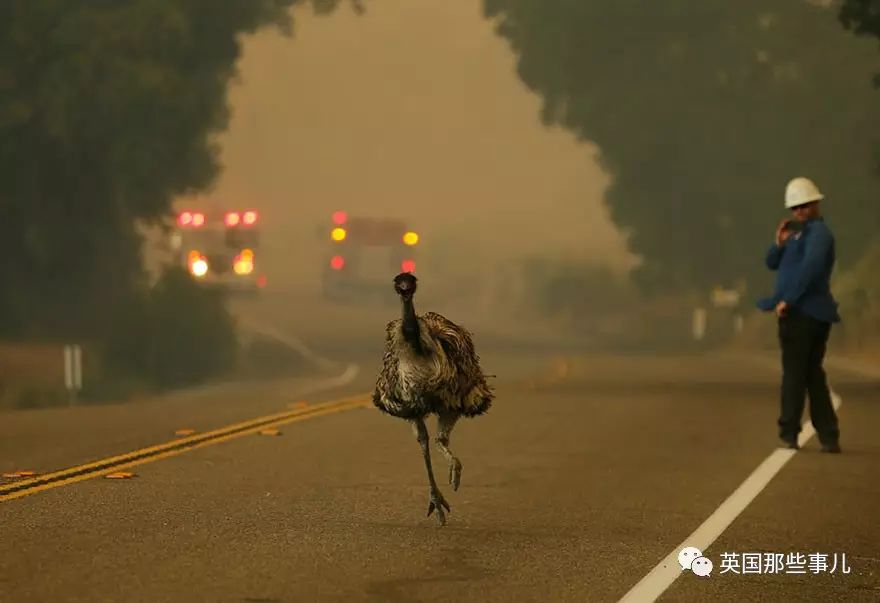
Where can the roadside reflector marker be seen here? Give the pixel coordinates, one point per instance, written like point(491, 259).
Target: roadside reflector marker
point(20, 474)
point(120, 475)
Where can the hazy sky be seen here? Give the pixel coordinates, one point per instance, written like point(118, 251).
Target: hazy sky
point(414, 110)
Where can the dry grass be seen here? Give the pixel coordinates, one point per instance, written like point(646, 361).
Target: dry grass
point(30, 374)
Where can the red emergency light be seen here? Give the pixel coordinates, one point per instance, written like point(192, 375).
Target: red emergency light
point(408, 266)
point(232, 218)
point(189, 218)
point(337, 262)
point(339, 217)
point(249, 218)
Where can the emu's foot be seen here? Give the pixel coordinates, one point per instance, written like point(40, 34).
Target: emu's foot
point(438, 502)
point(455, 473)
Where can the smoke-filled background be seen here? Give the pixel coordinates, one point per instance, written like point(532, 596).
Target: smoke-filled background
point(412, 110)
point(598, 166)
point(572, 138)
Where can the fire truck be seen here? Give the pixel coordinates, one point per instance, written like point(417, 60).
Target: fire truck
point(364, 254)
point(220, 248)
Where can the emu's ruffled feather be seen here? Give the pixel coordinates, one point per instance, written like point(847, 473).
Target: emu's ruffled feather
point(444, 376)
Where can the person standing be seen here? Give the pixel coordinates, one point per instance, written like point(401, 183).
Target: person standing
point(803, 257)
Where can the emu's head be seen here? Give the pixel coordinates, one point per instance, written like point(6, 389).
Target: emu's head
point(405, 285)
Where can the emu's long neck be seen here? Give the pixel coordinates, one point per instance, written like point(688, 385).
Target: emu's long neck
point(410, 326)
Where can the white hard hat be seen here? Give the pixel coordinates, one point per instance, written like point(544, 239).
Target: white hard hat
point(800, 191)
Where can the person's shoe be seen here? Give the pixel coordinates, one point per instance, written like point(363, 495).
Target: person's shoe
point(833, 448)
point(790, 444)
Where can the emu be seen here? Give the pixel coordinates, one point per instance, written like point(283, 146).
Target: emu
point(429, 366)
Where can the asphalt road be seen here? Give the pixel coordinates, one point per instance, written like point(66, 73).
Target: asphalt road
point(589, 470)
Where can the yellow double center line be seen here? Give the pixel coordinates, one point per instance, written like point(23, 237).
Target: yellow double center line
point(64, 477)
point(160, 451)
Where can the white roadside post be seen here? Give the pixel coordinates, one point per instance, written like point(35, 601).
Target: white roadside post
point(72, 370)
point(698, 324)
point(729, 299)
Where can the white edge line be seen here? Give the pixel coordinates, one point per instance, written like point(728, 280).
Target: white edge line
point(294, 343)
point(347, 376)
point(664, 574)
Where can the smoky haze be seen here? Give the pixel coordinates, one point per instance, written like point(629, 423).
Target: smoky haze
point(412, 110)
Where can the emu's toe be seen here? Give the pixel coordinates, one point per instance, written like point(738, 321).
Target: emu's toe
point(455, 473)
point(438, 502)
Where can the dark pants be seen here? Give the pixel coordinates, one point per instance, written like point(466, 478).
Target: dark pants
point(803, 340)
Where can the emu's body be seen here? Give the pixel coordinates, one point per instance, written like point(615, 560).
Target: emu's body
point(430, 366)
point(439, 374)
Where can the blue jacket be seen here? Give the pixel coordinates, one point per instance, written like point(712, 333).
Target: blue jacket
point(803, 280)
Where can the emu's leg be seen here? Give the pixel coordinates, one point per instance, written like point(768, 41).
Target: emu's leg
point(445, 423)
point(436, 501)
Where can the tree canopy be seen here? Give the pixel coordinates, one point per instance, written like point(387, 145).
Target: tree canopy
point(863, 18)
point(702, 111)
point(108, 110)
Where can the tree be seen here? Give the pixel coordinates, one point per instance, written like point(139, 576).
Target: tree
point(863, 18)
point(702, 111)
point(108, 109)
